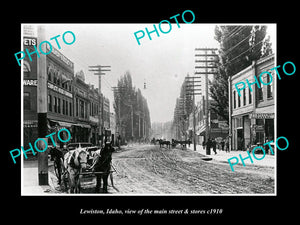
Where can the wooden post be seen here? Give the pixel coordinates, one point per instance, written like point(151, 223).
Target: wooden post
point(42, 109)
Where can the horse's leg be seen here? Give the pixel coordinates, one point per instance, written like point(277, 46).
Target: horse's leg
point(72, 181)
point(78, 187)
point(64, 179)
point(105, 178)
point(98, 183)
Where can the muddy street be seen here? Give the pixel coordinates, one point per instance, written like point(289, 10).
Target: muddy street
point(148, 169)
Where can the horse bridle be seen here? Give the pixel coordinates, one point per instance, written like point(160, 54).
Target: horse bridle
point(80, 161)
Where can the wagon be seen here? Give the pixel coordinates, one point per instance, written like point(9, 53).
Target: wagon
point(85, 174)
point(88, 173)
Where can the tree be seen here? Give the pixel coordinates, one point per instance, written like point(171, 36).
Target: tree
point(131, 109)
point(239, 46)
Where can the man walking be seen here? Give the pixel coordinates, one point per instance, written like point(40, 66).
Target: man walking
point(214, 145)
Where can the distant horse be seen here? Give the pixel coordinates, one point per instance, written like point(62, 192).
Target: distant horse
point(74, 161)
point(182, 143)
point(153, 141)
point(102, 163)
point(163, 142)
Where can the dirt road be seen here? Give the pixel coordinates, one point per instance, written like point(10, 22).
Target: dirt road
point(148, 169)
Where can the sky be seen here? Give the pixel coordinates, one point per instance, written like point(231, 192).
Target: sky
point(162, 62)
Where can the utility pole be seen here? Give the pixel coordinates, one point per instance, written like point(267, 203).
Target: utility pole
point(99, 71)
point(208, 57)
point(229, 112)
point(191, 84)
point(42, 109)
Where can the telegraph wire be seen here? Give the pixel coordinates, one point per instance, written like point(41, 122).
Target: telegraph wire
point(84, 64)
point(243, 52)
point(237, 44)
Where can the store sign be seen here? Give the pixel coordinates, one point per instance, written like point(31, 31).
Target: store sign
point(94, 119)
point(28, 41)
point(30, 123)
point(30, 83)
point(29, 30)
point(261, 116)
point(223, 125)
point(61, 57)
point(258, 127)
point(59, 90)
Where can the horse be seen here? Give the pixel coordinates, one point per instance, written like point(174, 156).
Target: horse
point(163, 142)
point(74, 161)
point(102, 164)
point(182, 143)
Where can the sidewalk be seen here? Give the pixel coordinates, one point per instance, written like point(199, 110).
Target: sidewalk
point(30, 179)
point(222, 156)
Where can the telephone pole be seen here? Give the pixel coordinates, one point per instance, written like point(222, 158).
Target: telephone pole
point(208, 58)
point(99, 71)
point(191, 89)
point(42, 109)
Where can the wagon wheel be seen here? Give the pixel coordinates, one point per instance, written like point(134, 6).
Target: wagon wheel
point(111, 179)
point(65, 180)
point(58, 169)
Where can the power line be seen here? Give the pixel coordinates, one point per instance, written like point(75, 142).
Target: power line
point(234, 30)
point(83, 63)
point(243, 52)
point(234, 33)
point(237, 44)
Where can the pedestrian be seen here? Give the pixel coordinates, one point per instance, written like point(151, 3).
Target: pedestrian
point(203, 145)
point(214, 145)
point(227, 144)
point(208, 146)
point(222, 144)
point(267, 146)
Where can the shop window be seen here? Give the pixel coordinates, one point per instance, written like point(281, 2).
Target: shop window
point(76, 107)
point(81, 108)
point(27, 105)
point(91, 109)
point(55, 104)
point(270, 87)
point(63, 107)
point(67, 108)
point(260, 92)
point(70, 108)
point(58, 80)
point(50, 103)
point(234, 99)
point(26, 69)
point(244, 96)
point(58, 105)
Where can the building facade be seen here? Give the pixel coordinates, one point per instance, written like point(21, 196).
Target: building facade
point(216, 127)
point(60, 74)
point(252, 113)
point(94, 113)
point(72, 103)
point(30, 121)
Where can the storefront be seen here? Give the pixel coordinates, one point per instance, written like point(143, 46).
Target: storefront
point(263, 128)
point(252, 112)
point(241, 135)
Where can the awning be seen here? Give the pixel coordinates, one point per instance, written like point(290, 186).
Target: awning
point(82, 125)
point(61, 123)
point(65, 124)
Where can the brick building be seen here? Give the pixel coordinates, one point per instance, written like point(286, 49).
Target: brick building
point(253, 113)
point(72, 103)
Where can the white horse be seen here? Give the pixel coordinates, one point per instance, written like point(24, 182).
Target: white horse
point(74, 161)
